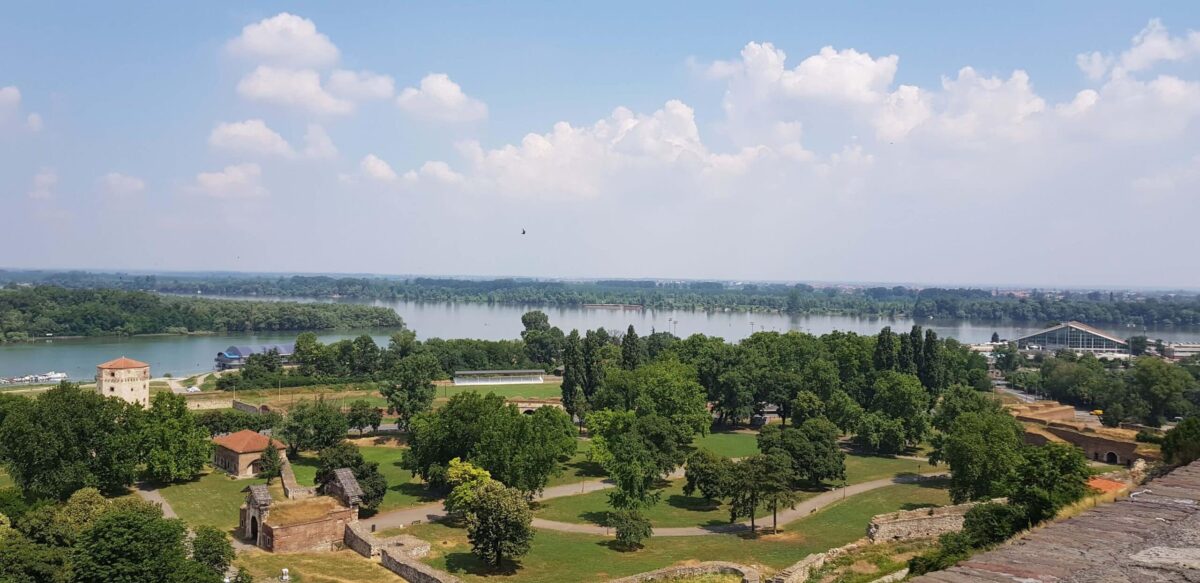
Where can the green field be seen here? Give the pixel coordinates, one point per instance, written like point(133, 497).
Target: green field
point(578, 468)
point(213, 499)
point(564, 557)
point(402, 492)
point(532, 391)
point(676, 509)
point(728, 443)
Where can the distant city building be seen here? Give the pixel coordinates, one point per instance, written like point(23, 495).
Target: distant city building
point(1074, 336)
point(1182, 350)
point(126, 379)
point(498, 377)
point(235, 356)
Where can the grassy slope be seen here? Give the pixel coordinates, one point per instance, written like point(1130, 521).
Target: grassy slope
point(593, 559)
point(728, 443)
point(213, 499)
point(402, 491)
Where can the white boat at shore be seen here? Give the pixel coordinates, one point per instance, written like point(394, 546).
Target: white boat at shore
point(46, 377)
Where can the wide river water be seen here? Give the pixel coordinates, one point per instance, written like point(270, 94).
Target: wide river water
point(180, 355)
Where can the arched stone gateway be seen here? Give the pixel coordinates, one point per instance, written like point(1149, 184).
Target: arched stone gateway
point(1111, 458)
point(254, 528)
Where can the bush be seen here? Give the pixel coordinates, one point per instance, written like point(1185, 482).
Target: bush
point(952, 548)
point(991, 523)
point(1182, 444)
point(1149, 437)
point(631, 528)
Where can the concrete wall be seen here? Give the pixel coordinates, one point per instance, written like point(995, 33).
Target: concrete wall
point(412, 570)
point(246, 407)
point(362, 541)
point(920, 523)
point(749, 575)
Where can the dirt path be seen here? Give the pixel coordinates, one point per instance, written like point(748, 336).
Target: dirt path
point(150, 494)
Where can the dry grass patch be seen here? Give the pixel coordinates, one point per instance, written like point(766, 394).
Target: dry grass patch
point(297, 511)
point(340, 567)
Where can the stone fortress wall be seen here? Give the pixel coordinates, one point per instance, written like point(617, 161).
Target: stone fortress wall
point(748, 574)
point(919, 523)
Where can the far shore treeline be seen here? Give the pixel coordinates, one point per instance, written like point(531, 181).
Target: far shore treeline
point(33, 312)
point(1095, 307)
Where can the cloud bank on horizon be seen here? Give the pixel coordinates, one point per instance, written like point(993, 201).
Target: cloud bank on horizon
point(812, 166)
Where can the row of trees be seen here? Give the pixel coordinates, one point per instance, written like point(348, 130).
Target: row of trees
point(31, 312)
point(90, 539)
point(925, 303)
point(69, 438)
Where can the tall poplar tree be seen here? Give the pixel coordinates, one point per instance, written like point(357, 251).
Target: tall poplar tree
point(631, 355)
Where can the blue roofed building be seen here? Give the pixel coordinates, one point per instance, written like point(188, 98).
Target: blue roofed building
point(235, 356)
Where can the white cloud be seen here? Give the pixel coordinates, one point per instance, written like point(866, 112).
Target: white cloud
point(44, 184)
point(436, 171)
point(284, 39)
point(361, 85)
point(317, 143)
point(238, 181)
point(10, 102)
point(978, 106)
point(34, 122)
point(298, 88)
point(1094, 64)
point(249, 137)
point(441, 99)
point(375, 168)
point(1149, 47)
point(117, 184)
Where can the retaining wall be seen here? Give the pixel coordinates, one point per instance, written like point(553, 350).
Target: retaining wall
point(749, 575)
point(363, 542)
point(414, 571)
point(800, 571)
point(920, 523)
point(291, 488)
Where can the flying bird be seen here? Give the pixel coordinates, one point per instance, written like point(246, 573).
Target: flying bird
point(522, 231)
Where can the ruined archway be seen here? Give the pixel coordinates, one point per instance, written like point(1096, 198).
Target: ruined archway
point(254, 529)
point(1111, 458)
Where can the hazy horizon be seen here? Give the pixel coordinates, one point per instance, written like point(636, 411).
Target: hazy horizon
point(858, 143)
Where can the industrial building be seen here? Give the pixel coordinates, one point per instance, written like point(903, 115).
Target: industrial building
point(1073, 336)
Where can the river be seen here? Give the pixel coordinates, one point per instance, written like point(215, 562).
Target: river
point(182, 355)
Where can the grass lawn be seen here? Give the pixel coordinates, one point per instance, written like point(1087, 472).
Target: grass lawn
point(729, 443)
point(864, 468)
point(593, 558)
point(530, 391)
point(339, 567)
point(213, 499)
point(402, 492)
point(673, 508)
point(578, 468)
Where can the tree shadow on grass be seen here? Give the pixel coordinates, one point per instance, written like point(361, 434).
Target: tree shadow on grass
point(417, 490)
point(461, 562)
point(692, 503)
point(597, 517)
point(916, 505)
point(613, 545)
point(585, 469)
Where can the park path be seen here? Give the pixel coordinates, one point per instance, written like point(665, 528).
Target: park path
point(435, 510)
point(148, 493)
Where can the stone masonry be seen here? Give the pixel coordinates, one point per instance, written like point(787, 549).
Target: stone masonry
point(920, 523)
point(748, 574)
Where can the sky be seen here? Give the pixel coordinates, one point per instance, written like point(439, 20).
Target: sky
point(1022, 143)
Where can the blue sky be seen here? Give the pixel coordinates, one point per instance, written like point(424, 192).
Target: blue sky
point(208, 136)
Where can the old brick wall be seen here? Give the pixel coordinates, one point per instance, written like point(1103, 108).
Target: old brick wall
point(799, 571)
point(315, 535)
point(412, 570)
point(363, 542)
point(291, 488)
point(749, 575)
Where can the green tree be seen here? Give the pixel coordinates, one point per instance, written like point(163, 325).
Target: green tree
point(574, 378)
point(313, 425)
point(812, 448)
point(879, 433)
point(25, 561)
point(523, 451)
point(347, 455)
point(365, 356)
point(901, 397)
point(983, 451)
point(805, 406)
point(820, 376)
point(959, 399)
point(1048, 478)
point(995, 337)
point(594, 342)
point(129, 546)
point(498, 524)
point(666, 388)
point(631, 350)
point(708, 473)
point(631, 528)
point(362, 415)
point(885, 350)
point(636, 452)
point(271, 463)
point(1138, 345)
point(1181, 445)
point(1007, 357)
point(464, 480)
point(306, 353)
point(176, 446)
point(211, 548)
point(1162, 386)
point(411, 391)
point(932, 371)
point(68, 439)
point(991, 523)
point(844, 411)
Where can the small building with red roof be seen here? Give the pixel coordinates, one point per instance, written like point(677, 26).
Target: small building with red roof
point(126, 379)
point(239, 453)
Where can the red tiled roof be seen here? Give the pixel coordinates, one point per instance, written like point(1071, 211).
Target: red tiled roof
point(246, 441)
point(123, 363)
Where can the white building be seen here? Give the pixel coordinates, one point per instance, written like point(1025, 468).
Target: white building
point(498, 377)
point(1181, 350)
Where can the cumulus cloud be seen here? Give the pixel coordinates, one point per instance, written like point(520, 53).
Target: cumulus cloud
point(438, 98)
point(317, 143)
point(117, 184)
point(375, 168)
point(249, 137)
point(297, 88)
point(10, 101)
point(1149, 47)
point(436, 171)
point(238, 181)
point(44, 184)
point(284, 39)
point(361, 85)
